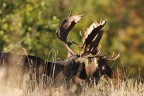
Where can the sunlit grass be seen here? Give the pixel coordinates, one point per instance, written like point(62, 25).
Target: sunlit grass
point(106, 87)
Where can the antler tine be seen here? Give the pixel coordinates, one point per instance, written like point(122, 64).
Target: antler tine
point(112, 54)
point(104, 57)
point(92, 37)
point(65, 28)
point(82, 36)
point(112, 58)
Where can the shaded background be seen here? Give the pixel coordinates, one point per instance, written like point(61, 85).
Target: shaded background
point(29, 26)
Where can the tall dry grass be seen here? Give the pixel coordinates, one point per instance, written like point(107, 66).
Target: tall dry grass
point(120, 85)
point(106, 87)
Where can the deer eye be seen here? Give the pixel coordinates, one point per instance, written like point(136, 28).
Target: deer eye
point(103, 67)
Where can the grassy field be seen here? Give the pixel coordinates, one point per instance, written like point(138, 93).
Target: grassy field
point(106, 87)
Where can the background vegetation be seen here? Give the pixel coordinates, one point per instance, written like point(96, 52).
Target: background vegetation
point(31, 24)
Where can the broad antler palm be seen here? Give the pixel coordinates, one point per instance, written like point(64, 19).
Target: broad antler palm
point(91, 37)
point(65, 28)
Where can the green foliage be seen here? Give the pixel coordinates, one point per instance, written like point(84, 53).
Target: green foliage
point(31, 24)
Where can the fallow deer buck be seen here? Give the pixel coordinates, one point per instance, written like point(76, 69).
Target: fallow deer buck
point(98, 66)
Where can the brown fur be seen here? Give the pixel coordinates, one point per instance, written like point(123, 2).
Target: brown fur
point(36, 68)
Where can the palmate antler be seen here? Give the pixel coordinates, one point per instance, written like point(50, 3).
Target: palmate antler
point(91, 37)
point(65, 28)
point(91, 40)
